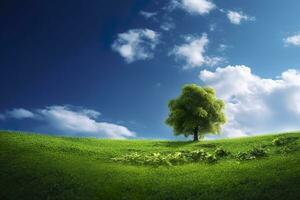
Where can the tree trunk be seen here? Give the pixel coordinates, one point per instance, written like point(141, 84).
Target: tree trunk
point(196, 137)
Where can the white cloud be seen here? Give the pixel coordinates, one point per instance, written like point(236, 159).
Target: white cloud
point(200, 7)
point(19, 113)
point(193, 52)
point(237, 17)
point(147, 15)
point(90, 113)
point(292, 40)
point(70, 120)
point(256, 105)
point(167, 26)
point(136, 44)
point(65, 119)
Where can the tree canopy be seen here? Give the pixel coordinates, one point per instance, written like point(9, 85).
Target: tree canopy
point(197, 111)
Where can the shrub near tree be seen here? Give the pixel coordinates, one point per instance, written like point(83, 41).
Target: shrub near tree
point(197, 112)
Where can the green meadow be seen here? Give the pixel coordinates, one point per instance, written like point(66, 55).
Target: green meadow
point(34, 166)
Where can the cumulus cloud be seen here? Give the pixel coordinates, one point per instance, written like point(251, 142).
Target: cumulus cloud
point(147, 15)
point(256, 105)
point(70, 120)
point(193, 52)
point(237, 17)
point(200, 7)
point(136, 44)
point(19, 113)
point(90, 113)
point(292, 40)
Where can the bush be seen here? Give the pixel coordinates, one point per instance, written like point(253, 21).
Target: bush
point(169, 159)
point(220, 152)
point(244, 156)
point(197, 155)
point(285, 144)
point(254, 153)
point(210, 158)
point(175, 158)
point(279, 141)
point(257, 152)
point(286, 149)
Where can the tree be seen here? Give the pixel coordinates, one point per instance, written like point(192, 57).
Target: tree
point(197, 111)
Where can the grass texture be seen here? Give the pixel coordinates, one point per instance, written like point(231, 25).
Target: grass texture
point(34, 166)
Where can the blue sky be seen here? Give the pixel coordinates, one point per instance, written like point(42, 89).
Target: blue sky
point(108, 68)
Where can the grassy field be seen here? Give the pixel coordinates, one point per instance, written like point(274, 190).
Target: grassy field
point(45, 167)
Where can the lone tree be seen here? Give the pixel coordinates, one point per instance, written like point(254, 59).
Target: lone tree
point(196, 112)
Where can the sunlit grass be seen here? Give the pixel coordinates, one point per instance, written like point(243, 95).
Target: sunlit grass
point(46, 167)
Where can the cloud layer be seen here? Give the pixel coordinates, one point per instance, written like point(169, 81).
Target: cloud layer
point(256, 105)
point(136, 44)
point(200, 7)
point(193, 52)
point(72, 121)
point(238, 17)
point(139, 44)
point(293, 40)
point(147, 15)
point(19, 113)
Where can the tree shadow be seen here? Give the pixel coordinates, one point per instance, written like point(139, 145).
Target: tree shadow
point(173, 143)
point(176, 144)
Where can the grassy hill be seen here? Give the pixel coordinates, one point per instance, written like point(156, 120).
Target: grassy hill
point(45, 167)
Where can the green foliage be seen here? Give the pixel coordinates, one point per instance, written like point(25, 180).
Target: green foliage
point(286, 144)
point(281, 141)
point(220, 152)
point(256, 152)
point(286, 149)
point(210, 158)
point(169, 159)
point(196, 111)
point(243, 156)
point(196, 155)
